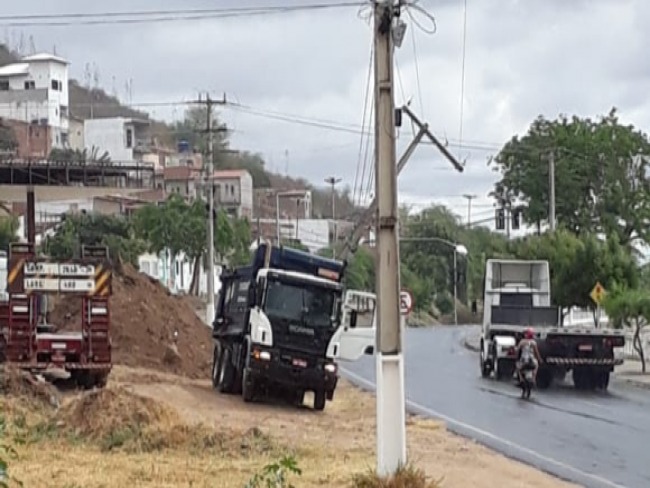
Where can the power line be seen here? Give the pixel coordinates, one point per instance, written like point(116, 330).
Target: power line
point(138, 17)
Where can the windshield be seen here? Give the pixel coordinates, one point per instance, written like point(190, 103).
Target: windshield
point(310, 305)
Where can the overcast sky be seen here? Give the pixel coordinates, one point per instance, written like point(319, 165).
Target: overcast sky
point(523, 58)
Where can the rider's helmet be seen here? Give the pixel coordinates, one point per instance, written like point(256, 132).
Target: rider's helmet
point(529, 333)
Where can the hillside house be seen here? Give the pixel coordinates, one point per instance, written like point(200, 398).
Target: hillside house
point(125, 139)
point(35, 91)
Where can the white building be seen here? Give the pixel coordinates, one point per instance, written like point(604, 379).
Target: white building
point(35, 91)
point(234, 192)
point(124, 138)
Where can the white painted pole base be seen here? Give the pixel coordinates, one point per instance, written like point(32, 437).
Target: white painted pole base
point(209, 313)
point(391, 414)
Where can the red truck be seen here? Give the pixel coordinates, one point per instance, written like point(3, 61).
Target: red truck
point(27, 341)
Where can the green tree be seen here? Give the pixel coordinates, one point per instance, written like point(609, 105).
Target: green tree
point(630, 307)
point(92, 230)
point(600, 175)
point(8, 229)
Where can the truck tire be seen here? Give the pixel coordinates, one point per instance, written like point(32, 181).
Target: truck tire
point(504, 370)
point(485, 366)
point(603, 382)
point(544, 378)
point(583, 379)
point(319, 400)
point(216, 366)
point(247, 386)
point(101, 379)
point(298, 397)
point(226, 372)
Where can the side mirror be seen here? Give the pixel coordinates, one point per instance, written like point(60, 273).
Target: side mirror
point(353, 319)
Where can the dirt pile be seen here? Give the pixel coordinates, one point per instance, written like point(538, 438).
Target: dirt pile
point(144, 320)
point(20, 384)
point(118, 419)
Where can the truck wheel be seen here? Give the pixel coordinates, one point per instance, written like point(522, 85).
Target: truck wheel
point(319, 400)
point(485, 367)
point(601, 379)
point(216, 366)
point(226, 372)
point(298, 397)
point(504, 370)
point(583, 379)
point(100, 380)
point(544, 378)
point(247, 386)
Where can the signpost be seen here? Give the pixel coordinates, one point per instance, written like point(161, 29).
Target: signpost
point(49, 277)
point(597, 294)
point(405, 302)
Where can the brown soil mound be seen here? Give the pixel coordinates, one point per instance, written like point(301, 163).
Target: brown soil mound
point(100, 413)
point(116, 418)
point(20, 384)
point(144, 317)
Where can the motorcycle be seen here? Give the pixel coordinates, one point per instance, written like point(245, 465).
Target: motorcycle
point(527, 384)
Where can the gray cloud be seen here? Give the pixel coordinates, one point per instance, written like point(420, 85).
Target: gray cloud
point(524, 58)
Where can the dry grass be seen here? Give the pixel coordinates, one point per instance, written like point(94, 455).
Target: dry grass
point(406, 477)
point(150, 430)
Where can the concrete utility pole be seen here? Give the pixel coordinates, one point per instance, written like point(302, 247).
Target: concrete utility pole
point(209, 186)
point(210, 312)
point(391, 415)
point(551, 196)
point(332, 180)
point(469, 208)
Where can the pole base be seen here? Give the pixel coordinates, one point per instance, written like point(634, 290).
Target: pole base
point(391, 414)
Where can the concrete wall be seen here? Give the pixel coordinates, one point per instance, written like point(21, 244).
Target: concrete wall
point(159, 267)
point(76, 134)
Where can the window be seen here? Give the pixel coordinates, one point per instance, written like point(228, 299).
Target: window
point(30, 85)
point(63, 110)
point(4, 85)
point(129, 138)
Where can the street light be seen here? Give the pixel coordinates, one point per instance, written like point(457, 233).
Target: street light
point(289, 193)
point(332, 180)
point(458, 249)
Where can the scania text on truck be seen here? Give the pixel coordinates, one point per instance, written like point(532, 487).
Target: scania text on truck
point(517, 295)
point(278, 326)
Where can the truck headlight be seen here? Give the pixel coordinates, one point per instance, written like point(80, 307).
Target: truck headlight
point(263, 355)
point(330, 368)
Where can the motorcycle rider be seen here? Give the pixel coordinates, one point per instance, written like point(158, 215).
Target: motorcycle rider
point(528, 355)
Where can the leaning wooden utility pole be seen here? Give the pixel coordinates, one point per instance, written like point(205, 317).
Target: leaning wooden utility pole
point(391, 415)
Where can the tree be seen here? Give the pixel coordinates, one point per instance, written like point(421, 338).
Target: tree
point(600, 175)
point(92, 230)
point(630, 307)
point(8, 229)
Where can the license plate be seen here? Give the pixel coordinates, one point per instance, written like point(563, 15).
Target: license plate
point(59, 345)
point(300, 363)
point(585, 347)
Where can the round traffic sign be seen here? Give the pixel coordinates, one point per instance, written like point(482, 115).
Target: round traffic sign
point(405, 302)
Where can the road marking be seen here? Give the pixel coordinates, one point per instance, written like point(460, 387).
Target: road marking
point(489, 435)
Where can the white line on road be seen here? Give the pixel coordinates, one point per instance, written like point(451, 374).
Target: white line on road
point(489, 435)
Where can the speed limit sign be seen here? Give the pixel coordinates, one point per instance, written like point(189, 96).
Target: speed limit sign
point(405, 302)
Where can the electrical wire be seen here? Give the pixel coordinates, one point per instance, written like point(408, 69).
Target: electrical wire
point(367, 93)
point(139, 17)
point(462, 77)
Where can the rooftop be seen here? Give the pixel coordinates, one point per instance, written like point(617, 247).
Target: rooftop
point(44, 57)
point(14, 69)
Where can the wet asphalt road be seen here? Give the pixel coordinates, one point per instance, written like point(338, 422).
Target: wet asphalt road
point(596, 439)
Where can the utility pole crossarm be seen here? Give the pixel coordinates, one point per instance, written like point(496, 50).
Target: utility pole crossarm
point(433, 139)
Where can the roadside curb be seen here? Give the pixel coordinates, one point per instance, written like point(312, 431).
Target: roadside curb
point(631, 381)
point(470, 344)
